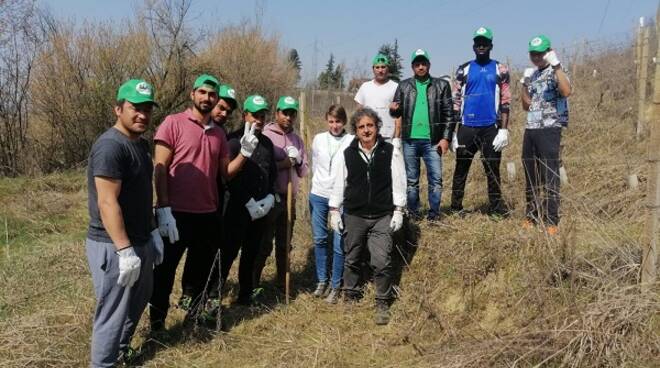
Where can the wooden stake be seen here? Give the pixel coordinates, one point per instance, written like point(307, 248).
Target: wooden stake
point(289, 222)
point(642, 82)
point(650, 254)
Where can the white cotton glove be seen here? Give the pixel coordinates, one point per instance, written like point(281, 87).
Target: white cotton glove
point(254, 209)
point(501, 140)
point(159, 247)
point(335, 221)
point(266, 204)
point(396, 142)
point(454, 143)
point(294, 154)
point(527, 76)
point(249, 140)
point(129, 267)
point(167, 224)
point(551, 58)
point(397, 221)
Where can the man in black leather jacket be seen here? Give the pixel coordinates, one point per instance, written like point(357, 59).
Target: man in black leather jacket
point(424, 104)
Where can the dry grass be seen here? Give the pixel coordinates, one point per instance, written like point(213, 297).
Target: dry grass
point(478, 292)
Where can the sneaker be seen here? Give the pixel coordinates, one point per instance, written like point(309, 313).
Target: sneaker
point(382, 315)
point(127, 357)
point(333, 296)
point(552, 230)
point(320, 291)
point(210, 311)
point(185, 303)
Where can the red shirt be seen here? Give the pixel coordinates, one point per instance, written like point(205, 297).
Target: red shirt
point(197, 151)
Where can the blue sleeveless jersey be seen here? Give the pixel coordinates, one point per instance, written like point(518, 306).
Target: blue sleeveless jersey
point(481, 98)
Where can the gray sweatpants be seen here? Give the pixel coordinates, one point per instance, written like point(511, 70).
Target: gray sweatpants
point(376, 236)
point(118, 309)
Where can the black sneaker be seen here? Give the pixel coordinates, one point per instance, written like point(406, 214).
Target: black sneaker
point(127, 357)
point(382, 315)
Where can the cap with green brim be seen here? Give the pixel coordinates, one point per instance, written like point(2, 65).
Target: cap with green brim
point(484, 32)
point(136, 91)
point(255, 103)
point(539, 43)
point(226, 92)
point(208, 81)
point(287, 103)
point(420, 53)
point(380, 59)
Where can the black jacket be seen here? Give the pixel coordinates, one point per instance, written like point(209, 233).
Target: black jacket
point(257, 177)
point(440, 105)
point(368, 191)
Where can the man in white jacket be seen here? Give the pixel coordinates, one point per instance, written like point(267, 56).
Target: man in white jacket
point(370, 183)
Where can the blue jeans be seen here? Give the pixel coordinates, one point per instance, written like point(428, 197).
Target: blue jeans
point(318, 207)
point(413, 150)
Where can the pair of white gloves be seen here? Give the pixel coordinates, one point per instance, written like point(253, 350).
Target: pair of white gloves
point(259, 209)
point(130, 263)
point(550, 57)
point(501, 140)
point(338, 225)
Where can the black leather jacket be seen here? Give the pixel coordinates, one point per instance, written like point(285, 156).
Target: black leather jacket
point(440, 105)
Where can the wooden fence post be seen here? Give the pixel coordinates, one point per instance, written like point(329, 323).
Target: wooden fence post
point(650, 254)
point(642, 81)
point(302, 118)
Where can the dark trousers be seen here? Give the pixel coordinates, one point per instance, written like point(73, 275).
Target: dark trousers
point(376, 236)
point(540, 158)
point(241, 233)
point(198, 233)
point(477, 139)
point(276, 229)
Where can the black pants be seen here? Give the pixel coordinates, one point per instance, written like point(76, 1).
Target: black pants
point(198, 233)
point(241, 233)
point(540, 158)
point(276, 229)
point(375, 236)
point(477, 139)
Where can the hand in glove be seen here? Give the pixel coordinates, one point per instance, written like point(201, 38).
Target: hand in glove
point(294, 155)
point(159, 247)
point(129, 267)
point(501, 140)
point(551, 58)
point(167, 224)
point(249, 140)
point(396, 142)
point(253, 208)
point(454, 143)
point(527, 76)
point(266, 204)
point(397, 221)
point(335, 221)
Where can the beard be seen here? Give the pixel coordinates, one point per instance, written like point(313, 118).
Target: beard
point(204, 108)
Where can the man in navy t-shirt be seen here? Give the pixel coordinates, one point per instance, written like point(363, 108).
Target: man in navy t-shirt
point(481, 106)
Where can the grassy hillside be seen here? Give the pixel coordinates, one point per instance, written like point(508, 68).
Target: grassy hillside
point(476, 293)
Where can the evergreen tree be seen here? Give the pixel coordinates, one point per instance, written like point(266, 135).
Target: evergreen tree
point(333, 76)
point(392, 53)
point(294, 59)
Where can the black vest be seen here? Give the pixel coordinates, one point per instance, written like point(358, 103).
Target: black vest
point(368, 191)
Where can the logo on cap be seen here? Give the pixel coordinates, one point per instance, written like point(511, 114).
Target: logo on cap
point(143, 88)
point(289, 100)
point(536, 42)
point(258, 100)
point(231, 93)
point(481, 31)
point(419, 52)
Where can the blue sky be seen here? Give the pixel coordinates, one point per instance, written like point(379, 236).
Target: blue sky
point(354, 30)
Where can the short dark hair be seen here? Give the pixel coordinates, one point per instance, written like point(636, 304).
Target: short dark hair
point(337, 112)
point(120, 103)
point(365, 112)
point(231, 102)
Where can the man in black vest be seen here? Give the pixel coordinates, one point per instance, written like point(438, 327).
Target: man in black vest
point(370, 183)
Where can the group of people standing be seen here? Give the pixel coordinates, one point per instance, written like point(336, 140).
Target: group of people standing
point(222, 193)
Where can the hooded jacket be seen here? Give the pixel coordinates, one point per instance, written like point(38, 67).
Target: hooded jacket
point(281, 140)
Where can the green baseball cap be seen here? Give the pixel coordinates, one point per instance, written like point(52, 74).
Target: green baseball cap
point(484, 32)
point(136, 91)
point(420, 53)
point(207, 80)
point(539, 43)
point(287, 103)
point(380, 59)
point(227, 92)
point(255, 103)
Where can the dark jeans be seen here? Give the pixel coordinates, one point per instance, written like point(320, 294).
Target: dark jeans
point(540, 158)
point(474, 140)
point(241, 233)
point(276, 222)
point(198, 234)
point(413, 150)
point(376, 236)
